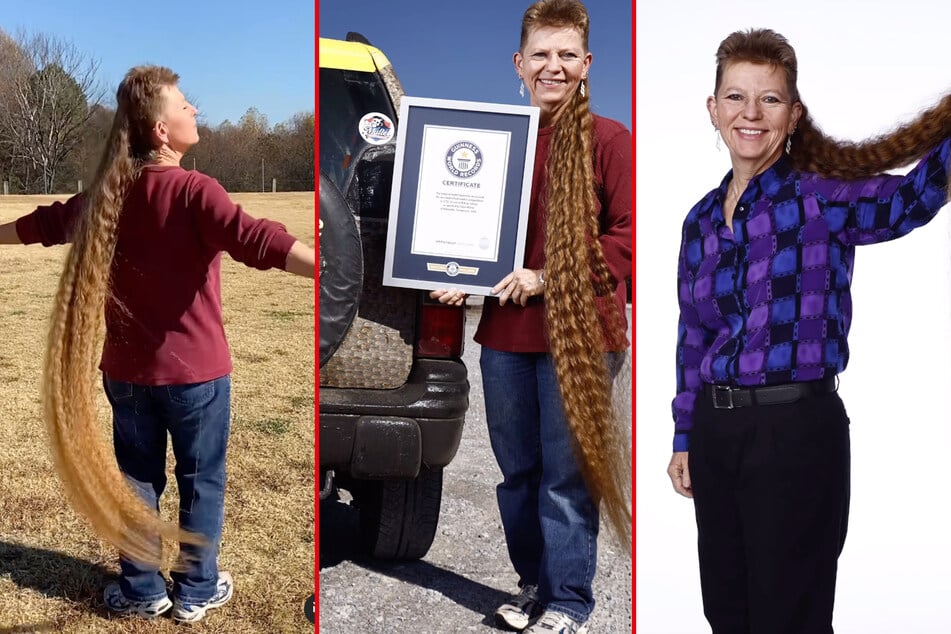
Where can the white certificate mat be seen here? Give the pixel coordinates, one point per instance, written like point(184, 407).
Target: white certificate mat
point(459, 194)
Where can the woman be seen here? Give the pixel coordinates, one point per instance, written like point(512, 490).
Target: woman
point(546, 374)
point(761, 437)
point(147, 241)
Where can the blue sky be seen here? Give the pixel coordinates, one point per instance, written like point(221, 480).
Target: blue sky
point(463, 50)
point(231, 55)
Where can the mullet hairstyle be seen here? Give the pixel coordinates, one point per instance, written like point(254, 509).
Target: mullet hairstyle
point(577, 282)
point(812, 150)
point(86, 465)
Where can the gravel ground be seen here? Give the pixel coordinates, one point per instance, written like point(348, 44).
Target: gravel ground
point(466, 574)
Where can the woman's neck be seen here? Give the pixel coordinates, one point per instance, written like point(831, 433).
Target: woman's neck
point(738, 185)
point(744, 171)
point(166, 156)
point(548, 118)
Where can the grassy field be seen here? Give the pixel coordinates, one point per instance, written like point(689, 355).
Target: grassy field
point(52, 569)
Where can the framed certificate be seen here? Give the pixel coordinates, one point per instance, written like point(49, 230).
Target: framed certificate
point(462, 181)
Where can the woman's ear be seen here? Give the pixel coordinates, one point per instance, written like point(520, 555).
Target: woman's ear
point(160, 133)
point(794, 117)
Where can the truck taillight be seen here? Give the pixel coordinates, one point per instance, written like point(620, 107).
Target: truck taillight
point(441, 330)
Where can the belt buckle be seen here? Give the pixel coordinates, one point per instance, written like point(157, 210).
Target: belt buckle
point(720, 390)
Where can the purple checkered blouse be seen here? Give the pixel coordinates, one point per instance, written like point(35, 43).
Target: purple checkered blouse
point(769, 302)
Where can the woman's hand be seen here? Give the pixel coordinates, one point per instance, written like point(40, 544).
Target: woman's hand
point(679, 474)
point(519, 285)
point(452, 296)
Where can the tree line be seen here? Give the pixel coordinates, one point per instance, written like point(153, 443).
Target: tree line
point(54, 124)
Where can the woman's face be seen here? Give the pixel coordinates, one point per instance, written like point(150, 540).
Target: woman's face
point(177, 126)
point(552, 64)
point(754, 113)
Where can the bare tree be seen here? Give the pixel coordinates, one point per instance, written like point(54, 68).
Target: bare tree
point(13, 64)
point(84, 159)
point(48, 90)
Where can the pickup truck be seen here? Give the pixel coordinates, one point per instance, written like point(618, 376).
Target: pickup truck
point(393, 391)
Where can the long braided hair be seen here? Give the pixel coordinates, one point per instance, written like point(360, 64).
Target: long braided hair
point(85, 463)
point(813, 151)
point(577, 335)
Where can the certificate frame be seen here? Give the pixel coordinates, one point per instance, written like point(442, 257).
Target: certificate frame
point(459, 214)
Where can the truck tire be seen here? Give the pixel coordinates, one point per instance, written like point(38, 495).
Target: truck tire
point(341, 268)
point(398, 518)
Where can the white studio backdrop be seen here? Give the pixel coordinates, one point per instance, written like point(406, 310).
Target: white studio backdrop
point(864, 66)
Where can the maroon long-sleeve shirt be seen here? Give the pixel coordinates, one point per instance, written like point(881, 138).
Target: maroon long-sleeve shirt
point(163, 308)
point(513, 328)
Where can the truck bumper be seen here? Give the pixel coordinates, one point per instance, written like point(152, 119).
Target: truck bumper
point(374, 434)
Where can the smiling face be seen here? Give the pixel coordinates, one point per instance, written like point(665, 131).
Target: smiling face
point(177, 126)
point(552, 64)
point(754, 112)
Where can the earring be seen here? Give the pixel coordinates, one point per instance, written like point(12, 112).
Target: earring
point(788, 144)
point(716, 131)
point(582, 86)
point(521, 88)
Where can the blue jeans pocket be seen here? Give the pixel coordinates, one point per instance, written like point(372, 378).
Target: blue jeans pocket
point(117, 390)
point(192, 394)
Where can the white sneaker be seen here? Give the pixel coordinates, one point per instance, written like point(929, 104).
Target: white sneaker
point(553, 622)
point(117, 603)
point(519, 610)
point(191, 612)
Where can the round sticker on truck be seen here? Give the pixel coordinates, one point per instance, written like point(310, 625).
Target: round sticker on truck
point(376, 128)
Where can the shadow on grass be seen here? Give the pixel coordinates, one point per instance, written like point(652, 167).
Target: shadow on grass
point(54, 574)
point(340, 541)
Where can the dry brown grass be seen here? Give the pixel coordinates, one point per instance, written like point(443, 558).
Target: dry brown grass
point(52, 569)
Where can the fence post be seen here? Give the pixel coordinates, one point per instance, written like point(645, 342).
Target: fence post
point(273, 185)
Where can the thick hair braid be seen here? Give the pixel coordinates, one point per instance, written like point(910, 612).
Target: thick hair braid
point(578, 338)
point(813, 151)
point(86, 465)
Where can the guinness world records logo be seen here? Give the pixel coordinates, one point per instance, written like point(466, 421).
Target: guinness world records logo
point(464, 159)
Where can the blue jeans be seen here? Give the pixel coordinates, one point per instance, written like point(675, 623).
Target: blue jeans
point(550, 521)
point(198, 418)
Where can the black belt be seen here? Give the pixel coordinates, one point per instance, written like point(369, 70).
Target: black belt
point(729, 397)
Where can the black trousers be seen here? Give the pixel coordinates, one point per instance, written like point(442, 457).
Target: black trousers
point(771, 494)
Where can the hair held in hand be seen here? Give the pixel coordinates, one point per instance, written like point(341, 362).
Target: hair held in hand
point(572, 254)
point(85, 462)
point(813, 151)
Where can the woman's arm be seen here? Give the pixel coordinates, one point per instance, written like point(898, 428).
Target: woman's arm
point(48, 224)
point(882, 208)
point(617, 204)
point(8, 233)
point(692, 344)
point(224, 226)
point(300, 260)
